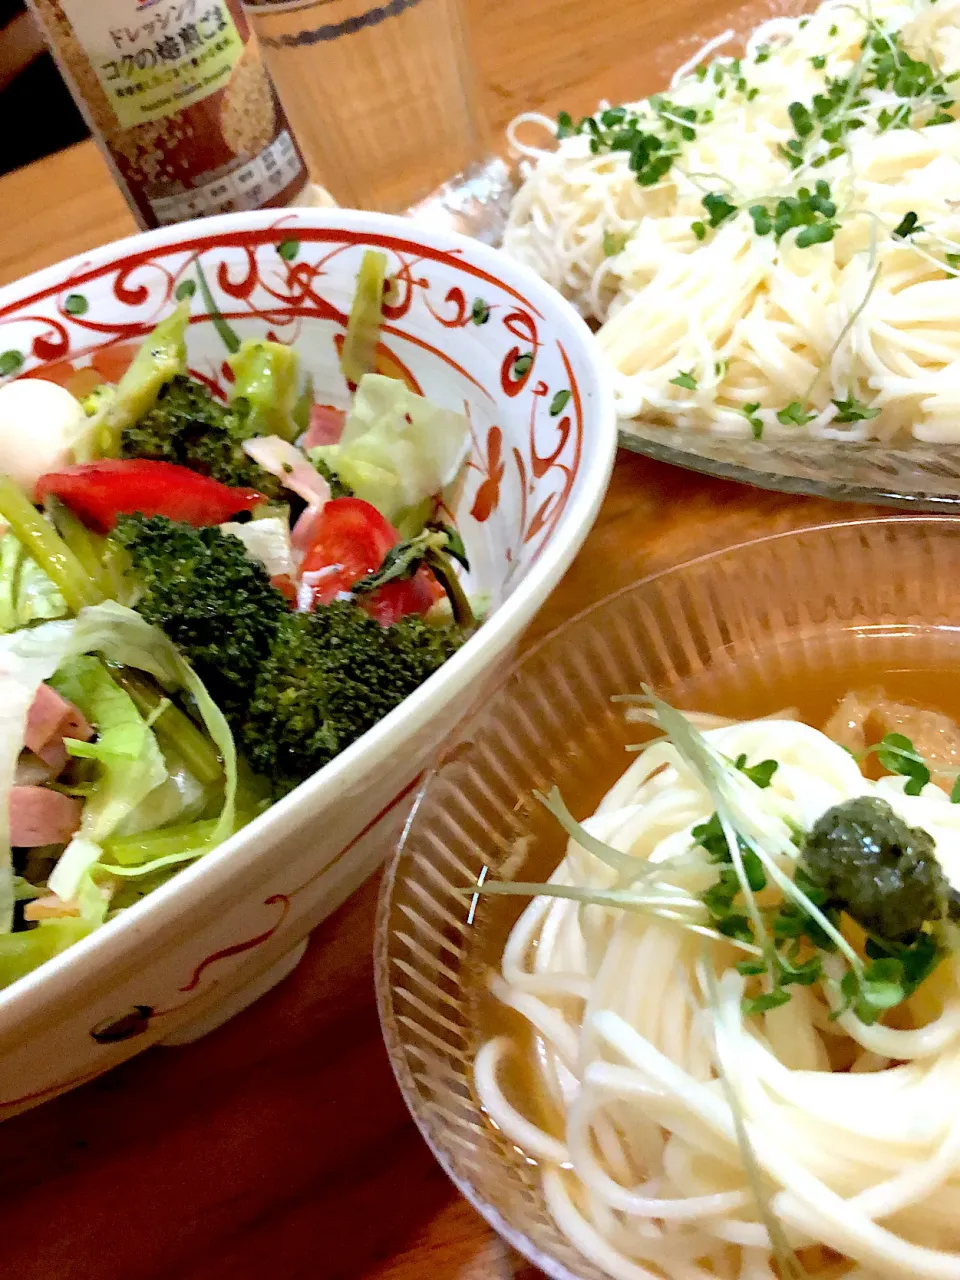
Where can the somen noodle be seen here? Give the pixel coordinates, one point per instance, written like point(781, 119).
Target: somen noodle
point(772, 245)
point(698, 1128)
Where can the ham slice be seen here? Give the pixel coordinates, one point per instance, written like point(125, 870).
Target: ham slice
point(326, 426)
point(52, 719)
point(304, 533)
point(299, 475)
point(39, 816)
point(50, 908)
point(31, 771)
point(54, 755)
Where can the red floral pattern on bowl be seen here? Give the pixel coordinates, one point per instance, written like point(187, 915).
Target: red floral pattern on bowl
point(464, 326)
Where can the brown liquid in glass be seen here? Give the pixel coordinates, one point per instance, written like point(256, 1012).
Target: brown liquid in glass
point(919, 667)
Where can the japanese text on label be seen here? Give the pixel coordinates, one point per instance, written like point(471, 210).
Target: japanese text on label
point(155, 57)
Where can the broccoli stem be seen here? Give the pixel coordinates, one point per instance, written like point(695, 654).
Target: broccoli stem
point(41, 541)
point(86, 545)
point(115, 570)
point(446, 575)
point(265, 376)
point(301, 410)
point(363, 325)
point(134, 851)
point(176, 732)
point(161, 357)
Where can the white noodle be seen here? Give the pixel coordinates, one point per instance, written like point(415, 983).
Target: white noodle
point(754, 321)
point(646, 1175)
point(691, 63)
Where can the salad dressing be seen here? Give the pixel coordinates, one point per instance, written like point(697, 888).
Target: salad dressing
point(178, 99)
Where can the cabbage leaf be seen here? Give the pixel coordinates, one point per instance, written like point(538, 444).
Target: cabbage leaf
point(397, 448)
point(131, 766)
point(29, 657)
point(21, 953)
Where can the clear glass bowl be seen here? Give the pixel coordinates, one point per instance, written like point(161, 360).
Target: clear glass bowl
point(879, 584)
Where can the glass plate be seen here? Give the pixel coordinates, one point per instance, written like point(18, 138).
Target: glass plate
point(740, 614)
point(920, 477)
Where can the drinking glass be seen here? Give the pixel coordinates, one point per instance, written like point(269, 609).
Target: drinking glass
point(383, 104)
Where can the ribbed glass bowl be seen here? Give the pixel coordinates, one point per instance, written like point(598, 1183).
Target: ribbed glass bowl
point(799, 601)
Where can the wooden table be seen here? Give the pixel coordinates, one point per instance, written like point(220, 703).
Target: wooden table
point(279, 1145)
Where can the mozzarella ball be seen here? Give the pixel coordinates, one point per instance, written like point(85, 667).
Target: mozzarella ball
point(40, 422)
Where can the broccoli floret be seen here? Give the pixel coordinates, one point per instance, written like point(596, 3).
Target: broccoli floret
point(96, 398)
point(189, 427)
point(211, 599)
point(421, 647)
point(297, 688)
point(331, 675)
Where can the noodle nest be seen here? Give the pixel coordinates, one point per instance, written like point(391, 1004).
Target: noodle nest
point(740, 328)
point(678, 1137)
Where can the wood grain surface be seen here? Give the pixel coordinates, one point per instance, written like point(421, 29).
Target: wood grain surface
point(279, 1145)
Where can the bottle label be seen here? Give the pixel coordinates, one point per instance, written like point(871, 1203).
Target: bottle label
point(248, 187)
point(154, 58)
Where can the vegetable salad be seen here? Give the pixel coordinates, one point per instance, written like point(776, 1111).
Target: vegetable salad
point(202, 602)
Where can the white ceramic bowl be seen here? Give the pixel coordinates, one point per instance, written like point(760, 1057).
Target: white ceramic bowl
point(225, 929)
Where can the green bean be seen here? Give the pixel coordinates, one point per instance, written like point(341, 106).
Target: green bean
point(148, 846)
point(134, 851)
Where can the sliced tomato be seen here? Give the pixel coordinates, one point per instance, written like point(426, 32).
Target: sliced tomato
point(99, 492)
point(83, 381)
point(114, 361)
point(396, 600)
point(352, 538)
point(286, 586)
